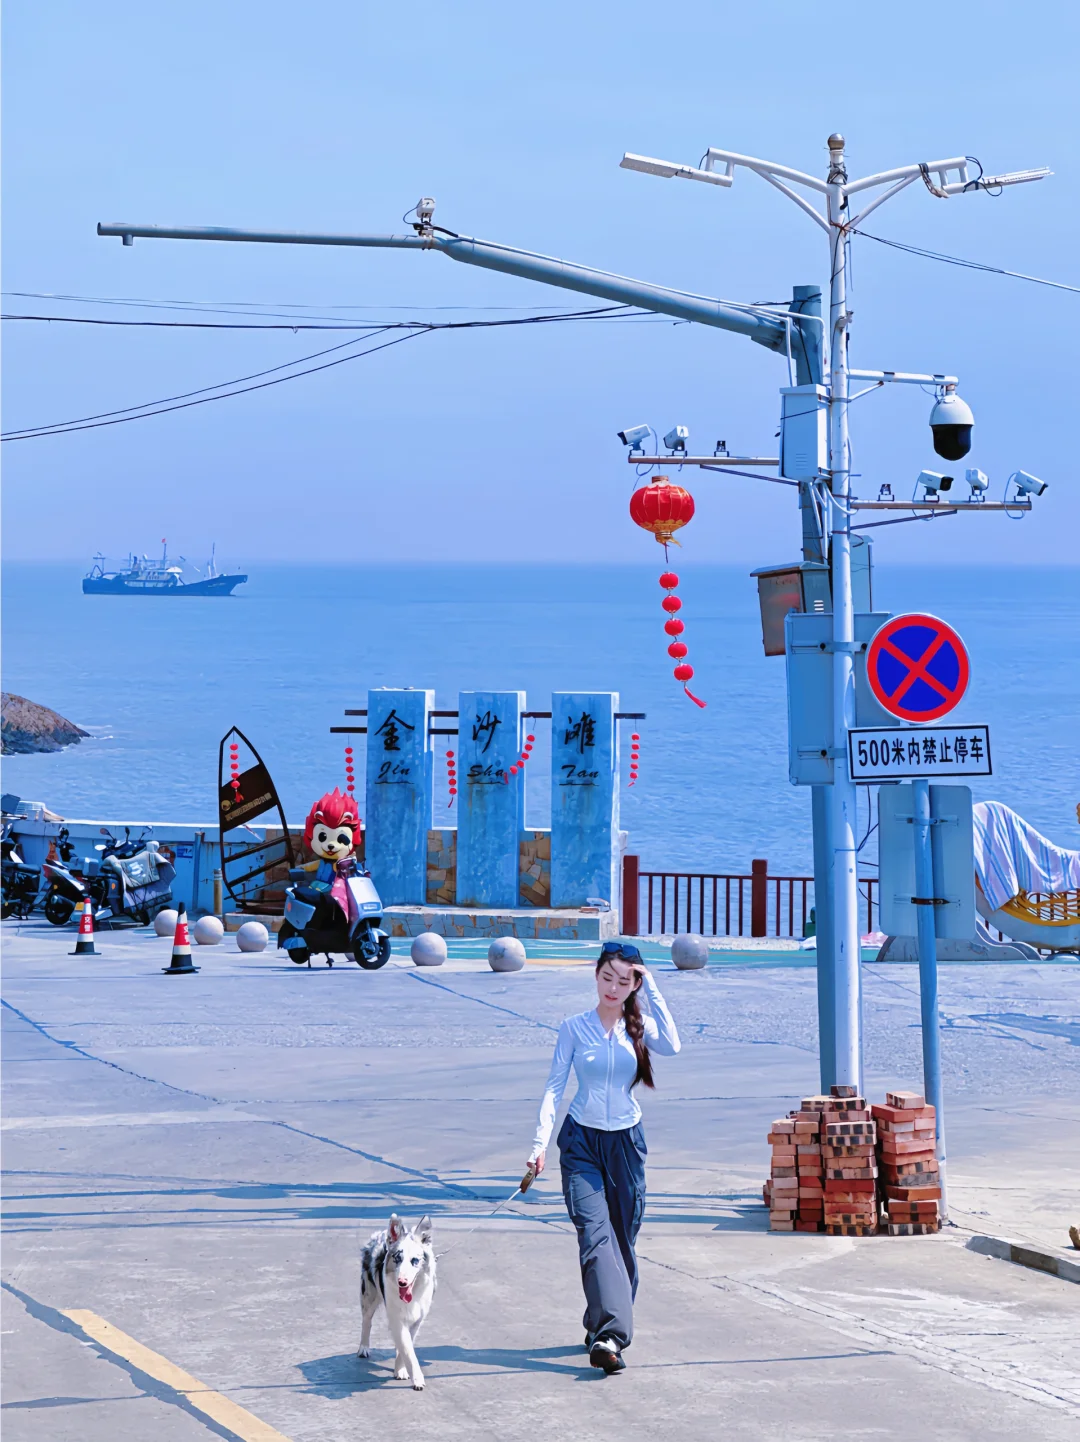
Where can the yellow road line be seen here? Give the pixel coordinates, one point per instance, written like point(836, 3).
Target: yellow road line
point(201, 1397)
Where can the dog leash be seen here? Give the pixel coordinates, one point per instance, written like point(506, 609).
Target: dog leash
point(519, 1191)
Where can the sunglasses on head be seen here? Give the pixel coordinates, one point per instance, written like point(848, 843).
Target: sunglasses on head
point(621, 950)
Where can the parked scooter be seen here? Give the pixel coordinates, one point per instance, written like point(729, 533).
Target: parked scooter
point(316, 922)
point(133, 882)
point(19, 882)
point(67, 888)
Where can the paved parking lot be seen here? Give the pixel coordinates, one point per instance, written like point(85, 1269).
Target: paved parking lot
point(192, 1163)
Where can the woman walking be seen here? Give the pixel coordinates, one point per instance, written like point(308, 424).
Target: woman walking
point(601, 1144)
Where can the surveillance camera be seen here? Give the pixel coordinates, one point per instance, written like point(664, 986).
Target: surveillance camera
point(425, 209)
point(951, 422)
point(978, 481)
point(635, 436)
point(932, 482)
point(676, 438)
point(1028, 485)
point(721, 448)
point(885, 493)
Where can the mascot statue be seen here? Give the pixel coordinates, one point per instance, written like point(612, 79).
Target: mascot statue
point(332, 905)
point(332, 831)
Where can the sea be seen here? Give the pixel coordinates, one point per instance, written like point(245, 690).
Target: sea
point(158, 682)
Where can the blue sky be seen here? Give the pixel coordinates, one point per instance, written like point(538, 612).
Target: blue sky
point(500, 446)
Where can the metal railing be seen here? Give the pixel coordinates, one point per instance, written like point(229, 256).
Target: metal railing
point(725, 904)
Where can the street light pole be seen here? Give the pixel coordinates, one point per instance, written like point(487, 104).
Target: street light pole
point(828, 484)
point(843, 819)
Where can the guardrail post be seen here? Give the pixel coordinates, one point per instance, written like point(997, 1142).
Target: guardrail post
point(759, 898)
point(629, 895)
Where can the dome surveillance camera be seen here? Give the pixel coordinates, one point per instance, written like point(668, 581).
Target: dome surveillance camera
point(951, 422)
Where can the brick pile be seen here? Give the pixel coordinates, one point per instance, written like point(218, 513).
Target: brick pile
point(907, 1157)
point(793, 1192)
point(850, 1165)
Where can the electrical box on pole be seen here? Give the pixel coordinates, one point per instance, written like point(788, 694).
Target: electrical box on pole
point(809, 647)
point(804, 443)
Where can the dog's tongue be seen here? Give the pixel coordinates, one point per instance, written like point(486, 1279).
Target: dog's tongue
point(404, 1292)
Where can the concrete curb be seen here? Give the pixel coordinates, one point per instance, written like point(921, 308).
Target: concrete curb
point(1027, 1256)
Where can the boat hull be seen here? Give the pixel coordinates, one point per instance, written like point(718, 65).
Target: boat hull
point(121, 586)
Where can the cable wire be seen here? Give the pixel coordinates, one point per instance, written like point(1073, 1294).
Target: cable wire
point(968, 264)
point(182, 401)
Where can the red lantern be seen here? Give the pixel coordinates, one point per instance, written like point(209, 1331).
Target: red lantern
point(451, 777)
point(635, 751)
point(662, 509)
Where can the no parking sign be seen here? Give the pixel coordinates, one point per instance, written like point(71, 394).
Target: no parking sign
point(917, 667)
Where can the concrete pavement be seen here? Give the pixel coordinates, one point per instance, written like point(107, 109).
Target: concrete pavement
point(196, 1160)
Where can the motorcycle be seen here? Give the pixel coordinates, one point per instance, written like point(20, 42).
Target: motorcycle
point(19, 882)
point(316, 922)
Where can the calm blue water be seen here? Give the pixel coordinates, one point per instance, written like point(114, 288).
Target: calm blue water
point(159, 682)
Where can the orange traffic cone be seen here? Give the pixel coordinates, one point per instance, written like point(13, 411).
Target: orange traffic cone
point(181, 947)
point(85, 944)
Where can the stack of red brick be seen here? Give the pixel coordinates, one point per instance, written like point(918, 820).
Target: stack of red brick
point(824, 1172)
point(793, 1192)
point(847, 1154)
point(907, 1153)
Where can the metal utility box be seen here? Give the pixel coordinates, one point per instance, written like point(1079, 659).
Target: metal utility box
point(810, 694)
point(802, 586)
point(952, 847)
point(803, 442)
point(805, 586)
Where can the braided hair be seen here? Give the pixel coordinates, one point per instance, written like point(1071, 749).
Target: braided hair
point(635, 1030)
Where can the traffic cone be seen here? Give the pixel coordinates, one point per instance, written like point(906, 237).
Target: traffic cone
point(85, 944)
point(181, 947)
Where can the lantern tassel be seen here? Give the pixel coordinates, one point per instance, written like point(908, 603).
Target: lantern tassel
point(693, 698)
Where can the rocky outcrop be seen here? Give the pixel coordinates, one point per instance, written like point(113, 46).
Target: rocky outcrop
point(28, 727)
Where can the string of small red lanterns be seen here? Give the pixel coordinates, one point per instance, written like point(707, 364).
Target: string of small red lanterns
point(451, 777)
point(350, 775)
point(635, 752)
point(664, 509)
point(519, 764)
point(234, 765)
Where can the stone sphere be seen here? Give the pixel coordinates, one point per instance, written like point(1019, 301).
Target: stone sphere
point(428, 949)
point(252, 936)
point(506, 954)
point(208, 931)
point(165, 922)
point(689, 953)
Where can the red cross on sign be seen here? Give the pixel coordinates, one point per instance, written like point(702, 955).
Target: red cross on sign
point(917, 667)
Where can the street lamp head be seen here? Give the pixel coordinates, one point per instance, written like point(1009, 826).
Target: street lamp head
point(951, 422)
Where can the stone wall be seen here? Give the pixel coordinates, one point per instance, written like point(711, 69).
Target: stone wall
point(534, 868)
point(442, 867)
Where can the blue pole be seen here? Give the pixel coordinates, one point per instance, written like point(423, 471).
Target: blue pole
point(928, 974)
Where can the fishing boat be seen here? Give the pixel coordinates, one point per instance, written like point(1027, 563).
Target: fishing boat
point(139, 576)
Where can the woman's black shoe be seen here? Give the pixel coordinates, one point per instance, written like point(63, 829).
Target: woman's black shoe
point(605, 1355)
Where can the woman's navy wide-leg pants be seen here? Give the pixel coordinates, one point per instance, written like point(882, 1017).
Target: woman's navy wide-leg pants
point(603, 1180)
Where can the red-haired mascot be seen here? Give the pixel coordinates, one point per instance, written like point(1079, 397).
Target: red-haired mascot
point(332, 831)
